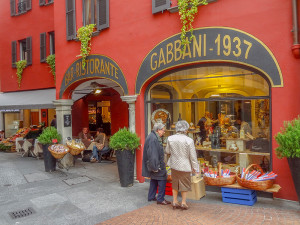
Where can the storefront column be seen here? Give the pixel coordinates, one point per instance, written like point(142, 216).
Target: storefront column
point(130, 99)
point(63, 117)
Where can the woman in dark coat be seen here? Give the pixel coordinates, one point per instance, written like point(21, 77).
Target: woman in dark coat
point(154, 165)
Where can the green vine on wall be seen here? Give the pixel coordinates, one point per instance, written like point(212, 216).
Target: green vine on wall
point(84, 34)
point(188, 9)
point(51, 62)
point(20, 67)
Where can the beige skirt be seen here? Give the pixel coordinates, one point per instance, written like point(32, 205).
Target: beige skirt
point(181, 181)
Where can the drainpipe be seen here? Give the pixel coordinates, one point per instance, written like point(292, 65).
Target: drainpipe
point(296, 45)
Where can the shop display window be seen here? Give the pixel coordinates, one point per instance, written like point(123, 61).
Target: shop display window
point(228, 109)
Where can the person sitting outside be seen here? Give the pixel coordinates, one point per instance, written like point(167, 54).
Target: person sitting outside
point(100, 144)
point(85, 134)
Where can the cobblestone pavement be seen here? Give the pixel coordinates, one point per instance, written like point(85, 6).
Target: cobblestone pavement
point(206, 214)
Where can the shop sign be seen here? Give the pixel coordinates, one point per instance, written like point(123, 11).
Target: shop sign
point(9, 110)
point(97, 66)
point(211, 44)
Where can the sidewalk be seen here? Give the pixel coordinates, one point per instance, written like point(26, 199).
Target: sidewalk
point(90, 193)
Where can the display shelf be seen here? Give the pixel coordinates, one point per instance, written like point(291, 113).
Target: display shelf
point(231, 151)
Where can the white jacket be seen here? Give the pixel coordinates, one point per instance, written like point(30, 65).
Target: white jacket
point(182, 152)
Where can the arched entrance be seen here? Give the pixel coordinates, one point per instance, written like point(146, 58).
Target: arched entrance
point(98, 104)
point(81, 106)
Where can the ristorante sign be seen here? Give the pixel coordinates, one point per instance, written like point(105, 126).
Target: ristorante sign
point(211, 44)
point(97, 66)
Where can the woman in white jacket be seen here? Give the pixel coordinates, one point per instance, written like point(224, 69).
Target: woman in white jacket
point(183, 161)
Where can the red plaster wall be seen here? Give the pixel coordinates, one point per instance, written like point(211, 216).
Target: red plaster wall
point(134, 31)
point(37, 20)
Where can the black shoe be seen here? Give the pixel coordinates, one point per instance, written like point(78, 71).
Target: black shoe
point(164, 202)
point(154, 199)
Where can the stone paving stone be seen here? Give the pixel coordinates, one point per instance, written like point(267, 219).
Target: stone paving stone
point(48, 200)
point(77, 180)
point(33, 177)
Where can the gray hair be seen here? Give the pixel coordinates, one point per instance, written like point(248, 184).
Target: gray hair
point(182, 126)
point(158, 126)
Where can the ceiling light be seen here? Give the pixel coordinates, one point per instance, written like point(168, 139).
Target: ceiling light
point(215, 95)
point(97, 91)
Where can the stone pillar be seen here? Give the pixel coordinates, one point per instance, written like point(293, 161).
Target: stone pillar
point(63, 117)
point(130, 99)
point(1, 120)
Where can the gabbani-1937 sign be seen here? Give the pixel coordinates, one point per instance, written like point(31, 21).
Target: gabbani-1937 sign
point(211, 44)
point(97, 66)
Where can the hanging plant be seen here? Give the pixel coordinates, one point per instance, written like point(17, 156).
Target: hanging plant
point(20, 67)
point(187, 12)
point(84, 34)
point(51, 62)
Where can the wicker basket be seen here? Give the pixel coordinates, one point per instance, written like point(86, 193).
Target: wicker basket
point(220, 181)
point(76, 151)
point(58, 155)
point(254, 185)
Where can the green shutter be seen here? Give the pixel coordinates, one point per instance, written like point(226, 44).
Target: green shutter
point(13, 54)
point(29, 50)
point(43, 47)
point(160, 5)
point(12, 7)
point(102, 14)
point(71, 21)
point(28, 5)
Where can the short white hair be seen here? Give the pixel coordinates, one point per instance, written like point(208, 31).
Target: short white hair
point(182, 126)
point(158, 126)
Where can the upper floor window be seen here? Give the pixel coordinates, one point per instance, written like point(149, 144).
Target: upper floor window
point(45, 2)
point(43, 45)
point(25, 50)
point(18, 7)
point(52, 42)
point(89, 12)
point(94, 12)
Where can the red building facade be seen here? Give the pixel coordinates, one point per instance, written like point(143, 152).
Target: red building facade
point(136, 53)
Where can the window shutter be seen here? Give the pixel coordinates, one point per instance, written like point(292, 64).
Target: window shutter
point(160, 5)
point(12, 7)
point(29, 50)
point(28, 5)
point(42, 2)
point(43, 47)
point(14, 54)
point(71, 22)
point(102, 14)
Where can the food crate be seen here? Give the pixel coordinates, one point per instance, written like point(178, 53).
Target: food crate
point(239, 196)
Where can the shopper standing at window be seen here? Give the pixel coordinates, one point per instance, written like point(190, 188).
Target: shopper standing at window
point(154, 165)
point(183, 161)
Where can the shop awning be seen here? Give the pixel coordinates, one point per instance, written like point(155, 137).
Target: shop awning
point(37, 99)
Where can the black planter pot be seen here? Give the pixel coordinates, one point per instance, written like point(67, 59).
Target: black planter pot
point(49, 160)
point(294, 164)
point(125, 160)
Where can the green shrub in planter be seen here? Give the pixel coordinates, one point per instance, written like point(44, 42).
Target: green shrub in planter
point(48, 135)
point(289, 146)
point(289, 139)
point(124, 140)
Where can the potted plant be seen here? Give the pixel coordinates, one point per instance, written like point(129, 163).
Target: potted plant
point(125, 143)
point(288, 140)
point(49, 136)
